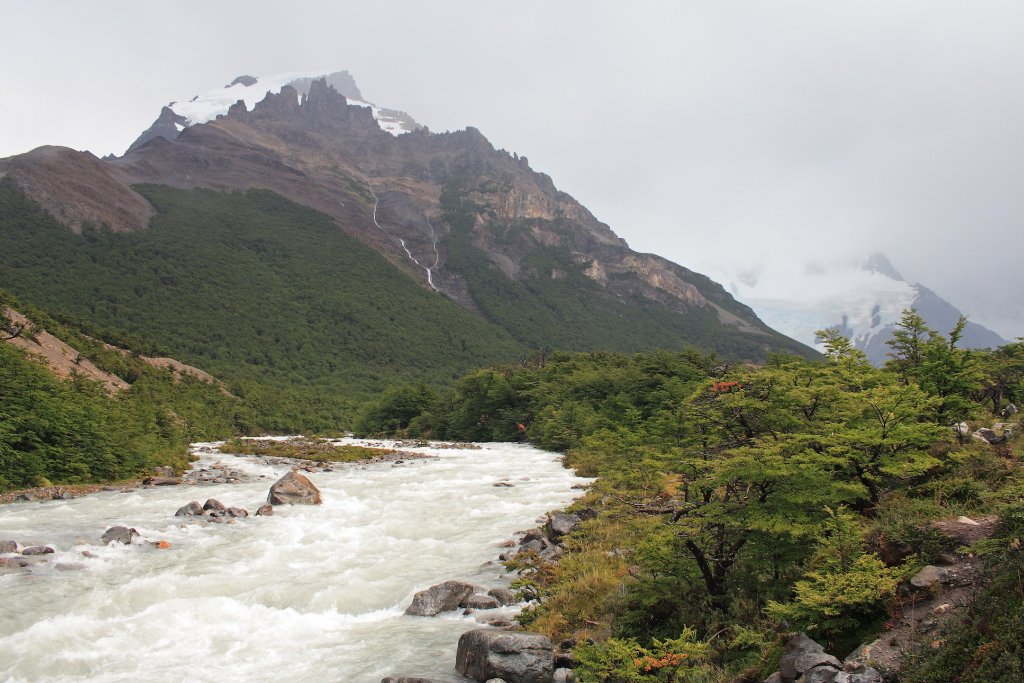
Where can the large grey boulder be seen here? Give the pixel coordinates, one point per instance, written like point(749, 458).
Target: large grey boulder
point(119, 534)
point(513, 657)
point(294, 489)
point(444, 597)
point(929, 576)
point(559, 524)
point(801, 654)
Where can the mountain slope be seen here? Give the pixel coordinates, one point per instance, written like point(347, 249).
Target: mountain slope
point(481, 254)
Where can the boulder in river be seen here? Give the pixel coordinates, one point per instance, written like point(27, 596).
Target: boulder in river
point(444, 597)
point(504, 596)
point(192, 509)
point(477, 601)
point(214, 504)
point(119, 534)
point(485, 653)
point(161, 481)
point(38, 550)
point(265, 510)
point(8, 547)
point(294, 489)
point(238, 512)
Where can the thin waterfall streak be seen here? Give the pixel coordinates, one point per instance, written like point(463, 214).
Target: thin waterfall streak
point(401, 242)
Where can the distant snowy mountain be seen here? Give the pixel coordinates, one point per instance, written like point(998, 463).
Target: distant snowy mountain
point(863, 300)
point(179, 115)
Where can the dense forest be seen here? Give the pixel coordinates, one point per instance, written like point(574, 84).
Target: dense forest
point(737, 502)
point(56, 431)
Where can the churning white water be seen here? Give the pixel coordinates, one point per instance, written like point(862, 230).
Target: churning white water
point(313, 593)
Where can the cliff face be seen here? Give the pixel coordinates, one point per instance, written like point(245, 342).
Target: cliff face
point(394, 193)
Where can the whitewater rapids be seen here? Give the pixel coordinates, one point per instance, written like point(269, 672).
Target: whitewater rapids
point(313, 593)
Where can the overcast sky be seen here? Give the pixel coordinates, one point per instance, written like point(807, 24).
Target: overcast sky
point(722, 135)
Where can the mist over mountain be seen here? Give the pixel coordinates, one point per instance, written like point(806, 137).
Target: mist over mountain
point(863, 299)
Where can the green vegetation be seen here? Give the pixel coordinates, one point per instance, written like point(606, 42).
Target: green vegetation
point(733, 498)
point(317, 450)
point(301, 320)
point(55, 431)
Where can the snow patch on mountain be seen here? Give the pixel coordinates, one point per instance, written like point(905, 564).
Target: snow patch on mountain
point(209, 105)
point(798, 304)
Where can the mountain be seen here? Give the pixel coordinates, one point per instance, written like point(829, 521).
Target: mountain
point(311, 242)
point(864, 300)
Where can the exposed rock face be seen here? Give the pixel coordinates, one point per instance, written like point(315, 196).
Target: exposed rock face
point(294, 489)
point(119, 534)
point(513, 657)
point(77, 188)
point(443, 597)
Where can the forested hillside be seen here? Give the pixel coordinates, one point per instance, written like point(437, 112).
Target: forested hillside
point(79, 430)
point(737, 503)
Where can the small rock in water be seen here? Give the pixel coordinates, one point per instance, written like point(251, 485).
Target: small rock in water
point(38, 550)
point(265, 510)
point(119, 534)
point(192, 509)
point(13, 562)
point(443, 597)
point(8, 547)
point(238, 512)
point(68, 566)
point(214, 504)
point(504, 596)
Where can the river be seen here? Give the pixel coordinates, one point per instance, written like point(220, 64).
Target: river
point(313, 593)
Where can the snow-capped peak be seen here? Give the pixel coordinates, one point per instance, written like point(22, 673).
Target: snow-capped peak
point(251, 89)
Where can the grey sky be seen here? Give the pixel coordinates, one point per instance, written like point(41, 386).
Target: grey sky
point(716, 133)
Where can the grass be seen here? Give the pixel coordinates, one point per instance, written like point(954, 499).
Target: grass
point(316, 450)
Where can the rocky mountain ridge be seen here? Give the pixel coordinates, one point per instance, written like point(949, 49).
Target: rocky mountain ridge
point(469, 221)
